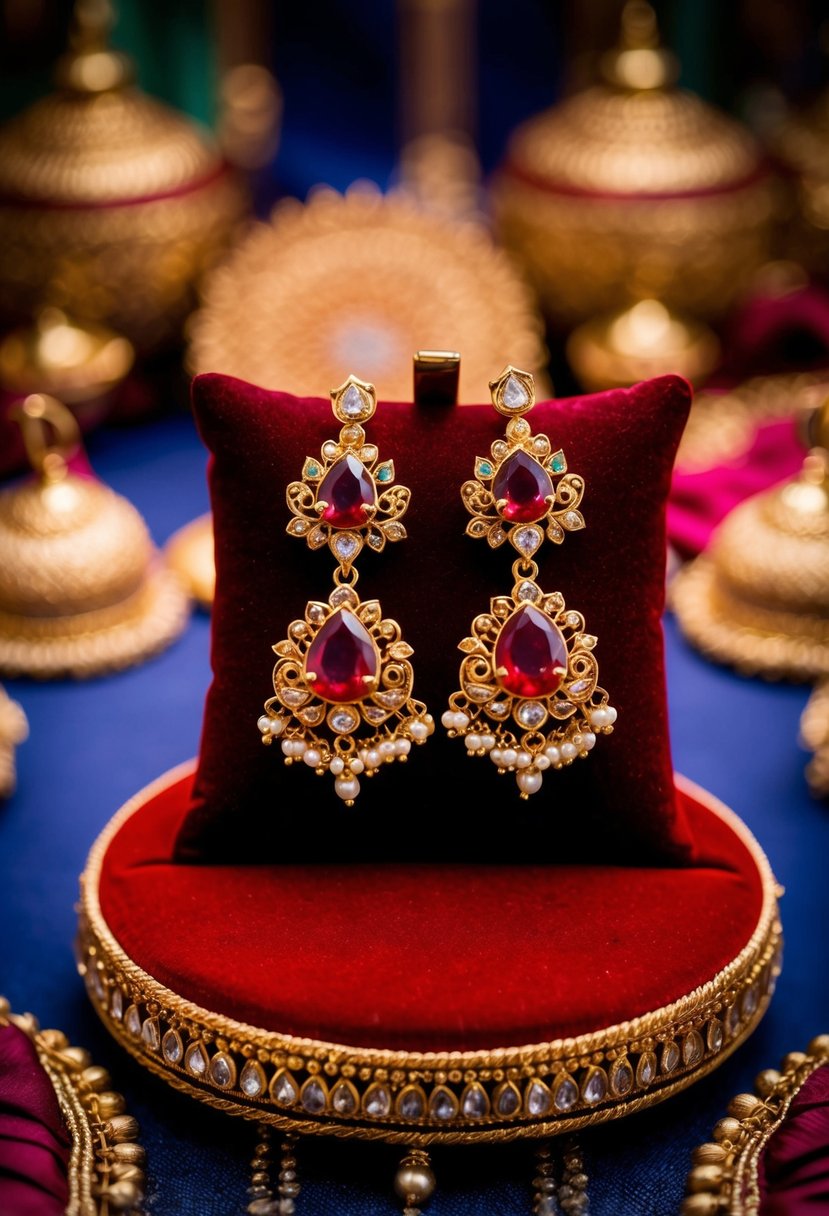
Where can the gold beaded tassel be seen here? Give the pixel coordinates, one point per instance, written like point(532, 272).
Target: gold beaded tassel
point(265, 1200)
point(414, 1181)
point(343, 681)
point(560, 1187)
point(529, 695)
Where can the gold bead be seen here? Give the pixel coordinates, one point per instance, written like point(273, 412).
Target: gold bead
point(700, 1205)
point(709, 1154)
point(766, 1081)
point(122, 1195)
point(76, 1059)
point(121, 1127)
point(110, 1104)
point(95, 1077)
point(744, 1105)
point(727, 1129)
point(705, 1178)
point(54, 1040)
point(131, 1154)
point(793, 1060)
point(414, 1183)
point(124, 1172)
point(819, 1046)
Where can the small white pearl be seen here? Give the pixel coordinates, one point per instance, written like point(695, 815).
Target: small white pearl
point(473, 742)
point(419, 731)
point(336, 766)
point(312, 757)
point(496, 756)
point(509, 757)
point(403, 746)
point(372, 758)
point(577, 741)
point(529, 782)
point(264, 724)
point(588, 740)
point(356, 765)
point(523, 760)
point(347, 787)
point(600, 717)
point(487, 742)
point(288, 747)
point(611, 715)
point(568, 752)
point(542, 761)
point(386, 748)
point(553, 754)
point(447, 719)
point(461, 721)
point(277, 726)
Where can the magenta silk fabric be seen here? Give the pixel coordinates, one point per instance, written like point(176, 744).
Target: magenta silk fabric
point(34, 1145)
point(700, 501)
point(794, 1166)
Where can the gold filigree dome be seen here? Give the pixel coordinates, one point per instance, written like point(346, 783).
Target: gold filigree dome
point(75, 148)
point(69, 546)
point(613, 141)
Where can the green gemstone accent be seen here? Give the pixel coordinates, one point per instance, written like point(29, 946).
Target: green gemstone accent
point(313, 470)
point(557, 464)
point(384, 474)
point(485, 468)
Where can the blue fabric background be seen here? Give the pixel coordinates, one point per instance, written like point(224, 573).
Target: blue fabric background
point(94, 744)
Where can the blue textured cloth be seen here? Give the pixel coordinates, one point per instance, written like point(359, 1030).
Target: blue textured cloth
point(95, 743)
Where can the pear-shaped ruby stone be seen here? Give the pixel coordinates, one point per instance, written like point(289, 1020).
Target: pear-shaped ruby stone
point(348, 488)
point(342, 661)
point(523, 486)
point(530, 654)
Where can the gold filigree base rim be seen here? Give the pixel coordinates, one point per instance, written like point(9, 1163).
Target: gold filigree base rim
point(459, 1097)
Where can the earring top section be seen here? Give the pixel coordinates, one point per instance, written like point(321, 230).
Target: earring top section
point(513, 392)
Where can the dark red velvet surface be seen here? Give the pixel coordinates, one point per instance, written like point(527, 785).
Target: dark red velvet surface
point(617, 805)
point(34, 1145)
point(427, 957)
point(794, 1165)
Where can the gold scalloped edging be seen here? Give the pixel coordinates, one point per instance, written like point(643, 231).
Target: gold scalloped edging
point(311, 1086)
point(724, 1178)
point(90, 644)
point(757, 641)
point(105, 1173)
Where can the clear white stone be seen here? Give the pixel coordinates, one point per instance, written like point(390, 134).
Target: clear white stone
point(475, 1104)
point(442, 1105)
point(133, 1021)
point(195, 1059)
point(579, 686)
point(342, 595)
point(221, 1070)
point(531, 713)
point(353, 402)
point(313, 1097)
point(527, 540)
point(645, 1071)
point(345, 547)
point(293, 696)
point(149, 1033)
point(172, 1047)
point(499, 709)
point(252, 1081)
point(343, 1100)
point(670, 1057)
point(528, 591)
point(343, 720)
point(515, 395)
point(478, 692)
point(378, 1102)
point(538, 1099)
point(284, 1090)
point(595, 1088)
point(412, 1105)
point(117, 1004)
point(508, 1102)
point(567, 1094)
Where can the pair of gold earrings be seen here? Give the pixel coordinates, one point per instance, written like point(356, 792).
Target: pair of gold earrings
point(529, 696)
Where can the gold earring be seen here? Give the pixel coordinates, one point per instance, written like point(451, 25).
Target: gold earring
point(343, 678)
point(529, 696)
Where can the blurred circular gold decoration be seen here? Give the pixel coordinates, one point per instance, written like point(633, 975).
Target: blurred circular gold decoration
point(14, 729)
point(814, 731)
point(112, 205)
point(82, 588)
point(634, 189)
point(801, 145)
point(189, 552)
point(758, 598)
point(638, 342)
point(726, 1173)
point(57, 355)
point(363, 280)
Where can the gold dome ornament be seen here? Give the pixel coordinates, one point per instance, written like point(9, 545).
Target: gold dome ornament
point(14, 729)
point(758, 598)
point(57, 355)
point(634, 189)
point(82, 589)
point(113, 204)
point(362, 280)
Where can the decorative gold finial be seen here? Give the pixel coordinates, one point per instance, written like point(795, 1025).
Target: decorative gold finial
point(91, 65)
point(639, 62)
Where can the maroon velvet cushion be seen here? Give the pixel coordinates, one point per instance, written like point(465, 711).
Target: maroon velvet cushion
point(617, 805)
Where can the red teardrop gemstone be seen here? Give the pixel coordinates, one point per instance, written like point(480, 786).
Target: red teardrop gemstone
point(339, 658)
point(524, 486)
point(347, 487)
point(530, 654)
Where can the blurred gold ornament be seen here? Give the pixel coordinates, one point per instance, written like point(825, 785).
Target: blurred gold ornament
point(113, 204)
point(634, 189)
point(13, 730)
point(57, 355)
point(814, 731)
point(82, 589)
point(189, 552)
point(801, 145)
point(758, 598)
point(363, 280)
point(647, 339)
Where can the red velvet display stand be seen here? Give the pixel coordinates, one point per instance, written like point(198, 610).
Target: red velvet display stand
point(443, 960)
